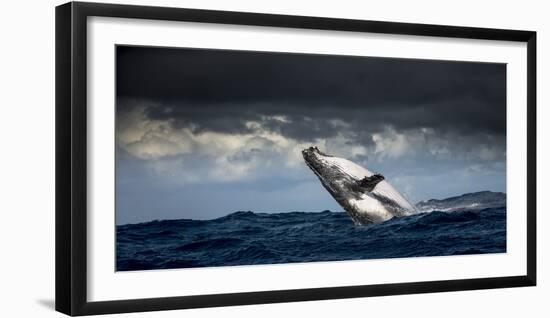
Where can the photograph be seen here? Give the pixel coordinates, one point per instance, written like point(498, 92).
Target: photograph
point(228, 157)
point(271, 159)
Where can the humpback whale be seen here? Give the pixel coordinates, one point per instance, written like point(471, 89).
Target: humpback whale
point(366, 197)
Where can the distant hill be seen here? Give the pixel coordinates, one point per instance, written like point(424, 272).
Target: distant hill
point(468, 201)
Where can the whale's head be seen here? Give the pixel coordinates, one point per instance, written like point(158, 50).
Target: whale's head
point(366, 196)
point(340, 176)
point(316, 160)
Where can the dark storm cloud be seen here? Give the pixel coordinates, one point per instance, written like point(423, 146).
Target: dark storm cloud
point(219, 90)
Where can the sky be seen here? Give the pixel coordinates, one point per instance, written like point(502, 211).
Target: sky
point(202, 133)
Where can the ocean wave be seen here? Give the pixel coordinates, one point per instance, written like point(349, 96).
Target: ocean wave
point(247, 238)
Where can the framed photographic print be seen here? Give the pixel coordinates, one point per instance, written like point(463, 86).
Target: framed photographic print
point(226, 158)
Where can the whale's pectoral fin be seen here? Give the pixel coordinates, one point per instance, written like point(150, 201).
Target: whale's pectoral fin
point(368, 183)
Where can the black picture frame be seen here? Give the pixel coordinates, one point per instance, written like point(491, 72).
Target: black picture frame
point(71, 157)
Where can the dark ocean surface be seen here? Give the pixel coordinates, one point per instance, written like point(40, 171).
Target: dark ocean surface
point(246, 238)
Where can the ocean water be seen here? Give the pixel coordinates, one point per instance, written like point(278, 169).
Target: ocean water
point(247, 238)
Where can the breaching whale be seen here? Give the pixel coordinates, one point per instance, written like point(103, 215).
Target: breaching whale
point(365, 196)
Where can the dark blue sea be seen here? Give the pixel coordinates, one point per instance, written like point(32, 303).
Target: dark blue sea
point(246, 238)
